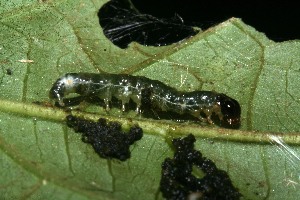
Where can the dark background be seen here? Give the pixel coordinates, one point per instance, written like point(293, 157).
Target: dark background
point(280, 20)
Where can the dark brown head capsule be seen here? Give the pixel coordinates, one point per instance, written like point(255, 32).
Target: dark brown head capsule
point(230, 109)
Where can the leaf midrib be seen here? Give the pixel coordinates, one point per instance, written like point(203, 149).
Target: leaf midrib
point(154, 127)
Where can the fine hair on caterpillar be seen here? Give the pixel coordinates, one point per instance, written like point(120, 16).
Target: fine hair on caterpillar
point(140, 89)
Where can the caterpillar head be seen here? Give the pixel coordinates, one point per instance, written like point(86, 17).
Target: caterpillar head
point(230, 110)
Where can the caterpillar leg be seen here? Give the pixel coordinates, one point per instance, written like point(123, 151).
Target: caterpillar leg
point(60, 103)
point(217, 110)
point(208, 112)
point(214, 109)
point(138, 109)
point(197, 114)
point(136, 98)
point(106, 101)
point(106, 96)
point(202, 119)
point(123, 107)
point(125, 100)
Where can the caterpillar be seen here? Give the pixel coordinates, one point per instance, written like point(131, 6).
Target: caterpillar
point(140, 89)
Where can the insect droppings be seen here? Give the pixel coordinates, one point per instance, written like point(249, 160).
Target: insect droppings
point(107, 138)
point(178, 180)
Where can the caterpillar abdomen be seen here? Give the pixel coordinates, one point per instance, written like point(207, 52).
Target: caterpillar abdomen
point(140, 89)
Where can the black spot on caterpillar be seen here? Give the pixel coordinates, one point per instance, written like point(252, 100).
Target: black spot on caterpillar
point(140, 89)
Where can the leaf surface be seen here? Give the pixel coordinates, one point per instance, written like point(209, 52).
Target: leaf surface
point(41, 158)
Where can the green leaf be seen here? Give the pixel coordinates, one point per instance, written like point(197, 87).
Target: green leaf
point(41, 158)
